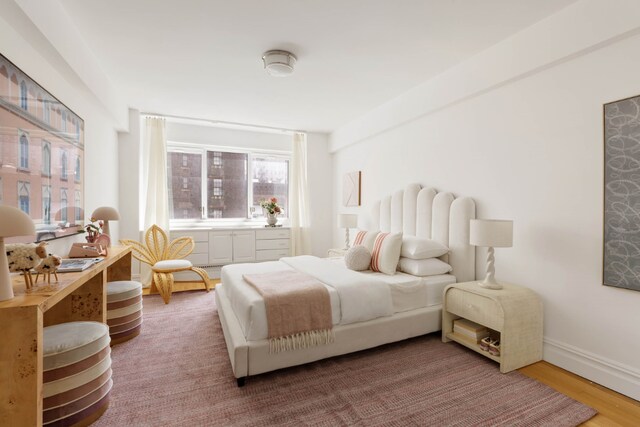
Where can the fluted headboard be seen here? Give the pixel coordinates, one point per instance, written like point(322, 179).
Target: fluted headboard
point(423, 212)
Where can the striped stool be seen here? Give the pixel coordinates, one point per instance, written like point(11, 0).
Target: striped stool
point(124, 310)
point(77, 373)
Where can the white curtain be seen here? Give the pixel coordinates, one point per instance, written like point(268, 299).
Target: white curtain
point(299, 201)
point(154, 180)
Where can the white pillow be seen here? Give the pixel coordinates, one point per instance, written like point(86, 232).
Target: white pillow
point(366, 239)
point(386, 252)
point(423, 267)
point(357, 258)
point(418, 248)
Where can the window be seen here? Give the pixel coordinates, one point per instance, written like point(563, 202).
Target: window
point(46, 204)
point(64, 121)
point(224, 184)
point(270, 179)
point(46, 108)
point(63, 165)
point(77, 171)
point(76, 206)
point(24, 190)
point(63, 205)
point(23, 96)
point(24, 151)
point(46, 158)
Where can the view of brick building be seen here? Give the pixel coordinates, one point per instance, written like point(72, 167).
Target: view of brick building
point(41, 154)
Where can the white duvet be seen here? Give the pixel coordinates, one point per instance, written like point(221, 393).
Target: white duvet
point(354, 297)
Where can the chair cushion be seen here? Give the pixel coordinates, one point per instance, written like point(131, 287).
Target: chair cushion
point(172, 264)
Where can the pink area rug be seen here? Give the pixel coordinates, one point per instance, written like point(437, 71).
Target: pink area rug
point(177, 372)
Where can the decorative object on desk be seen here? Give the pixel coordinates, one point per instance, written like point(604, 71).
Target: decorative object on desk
point(87, 250)
point(347, 221)
point(93, 229)
point(351, 185)
point(271, 210)
point(104, 241)
point(13, 222)
point(621, 250)
point(43, 155)
point(48, 266)
point(493, 233)
point(22, 257)
point(106, 214)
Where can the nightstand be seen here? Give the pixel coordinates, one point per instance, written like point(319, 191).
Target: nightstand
point(336, 252)
point(514, 311)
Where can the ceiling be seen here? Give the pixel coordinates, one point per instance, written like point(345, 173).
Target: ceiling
point(202, 58)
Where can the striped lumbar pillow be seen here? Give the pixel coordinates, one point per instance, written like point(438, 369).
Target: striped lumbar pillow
point(366, 239)
point(386, 252)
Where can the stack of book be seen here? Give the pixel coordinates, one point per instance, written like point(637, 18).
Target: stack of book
point(470, 329)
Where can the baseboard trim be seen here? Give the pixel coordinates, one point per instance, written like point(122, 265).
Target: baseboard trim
point(614, 375)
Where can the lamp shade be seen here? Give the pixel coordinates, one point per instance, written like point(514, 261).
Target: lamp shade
point(495, 233)
point(106, 213)
point(347, 220)
point(14, 222)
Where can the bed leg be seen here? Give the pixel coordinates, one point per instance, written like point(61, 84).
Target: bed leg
point(241, 381)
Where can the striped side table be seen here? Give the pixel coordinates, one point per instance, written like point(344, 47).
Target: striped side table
point(124, 310)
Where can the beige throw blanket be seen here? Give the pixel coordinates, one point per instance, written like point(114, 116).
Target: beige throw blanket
point(298, 309)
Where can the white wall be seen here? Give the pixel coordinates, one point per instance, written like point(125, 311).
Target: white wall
point(319, 170)
point(527, 147)
point(23, 44)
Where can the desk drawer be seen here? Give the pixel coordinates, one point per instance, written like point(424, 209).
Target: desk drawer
point(272, 244)
point(274, 233)
point(271, 254)
point(474, 307)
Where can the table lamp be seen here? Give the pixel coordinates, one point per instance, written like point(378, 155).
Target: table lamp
point(493, 233)
point(13, 222)
point(347, 221)
point(106, 214)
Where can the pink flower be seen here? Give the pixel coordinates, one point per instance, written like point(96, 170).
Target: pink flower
point(277, 209)
point(274, 200)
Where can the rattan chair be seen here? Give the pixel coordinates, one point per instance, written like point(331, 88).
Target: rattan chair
point(165, 258)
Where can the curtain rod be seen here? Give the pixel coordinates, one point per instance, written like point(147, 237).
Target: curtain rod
point(223, 123)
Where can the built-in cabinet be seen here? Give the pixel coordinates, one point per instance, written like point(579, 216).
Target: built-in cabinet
point(215, 248)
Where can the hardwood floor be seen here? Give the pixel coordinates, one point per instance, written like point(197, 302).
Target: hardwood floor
point(614, 409)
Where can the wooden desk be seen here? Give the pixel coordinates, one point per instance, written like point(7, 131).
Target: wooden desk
point(78, 296)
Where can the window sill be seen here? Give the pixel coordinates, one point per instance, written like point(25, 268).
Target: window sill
point(216, 225)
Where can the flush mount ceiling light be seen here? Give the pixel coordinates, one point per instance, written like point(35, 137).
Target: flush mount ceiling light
point(279, 63)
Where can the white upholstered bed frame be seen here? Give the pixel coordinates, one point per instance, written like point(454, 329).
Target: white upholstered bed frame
point(415, 211)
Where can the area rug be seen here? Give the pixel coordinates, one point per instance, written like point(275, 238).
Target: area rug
point(177, 373)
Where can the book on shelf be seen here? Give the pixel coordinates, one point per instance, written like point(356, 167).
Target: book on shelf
point(470, 329)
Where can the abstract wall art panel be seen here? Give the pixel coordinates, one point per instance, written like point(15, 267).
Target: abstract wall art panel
point(351, 189)
point(621, 266)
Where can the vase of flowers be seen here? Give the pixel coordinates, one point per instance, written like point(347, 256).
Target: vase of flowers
point(271, 210)
point(93, 230)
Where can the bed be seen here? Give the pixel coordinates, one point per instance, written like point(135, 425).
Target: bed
point(416, 302)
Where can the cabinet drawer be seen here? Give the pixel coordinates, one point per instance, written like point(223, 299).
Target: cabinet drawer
point(201, 248)
point(275, 233)
point(198, 236)
point(272, 244)
point(199, 259)
point(271, 254)
point(474, 307)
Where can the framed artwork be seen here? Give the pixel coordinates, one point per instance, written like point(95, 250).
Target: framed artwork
point(351, 189)
point(41, 155)
point(621, 254)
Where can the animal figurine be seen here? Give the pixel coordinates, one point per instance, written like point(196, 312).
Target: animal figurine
point(48, 265)
point(22, 257)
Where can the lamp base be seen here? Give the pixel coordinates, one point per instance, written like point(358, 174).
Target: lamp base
point(489, 285)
